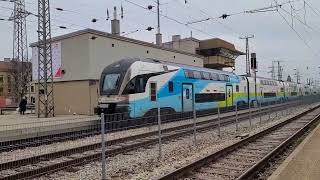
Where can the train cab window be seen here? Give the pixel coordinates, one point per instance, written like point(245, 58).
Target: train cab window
point(237, 88)
point(111, 82)
point(214, 77)
point(197, 74)
point(206, 75)
point(170, 86)
point(153, 91)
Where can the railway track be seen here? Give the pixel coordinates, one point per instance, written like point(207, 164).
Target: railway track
point(251, 156)
point(47, 163)
point(62, 137)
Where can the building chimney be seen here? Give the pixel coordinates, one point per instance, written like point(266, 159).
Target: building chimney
point(159, 39)
point(176, 38)
point(115, 23)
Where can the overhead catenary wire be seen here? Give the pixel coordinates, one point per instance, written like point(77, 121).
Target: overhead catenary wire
point(298, 35)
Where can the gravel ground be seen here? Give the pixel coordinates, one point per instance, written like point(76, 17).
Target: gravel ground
point(144, 163)
point(54, 147)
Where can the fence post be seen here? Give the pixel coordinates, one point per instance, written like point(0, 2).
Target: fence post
point(219, 130)
point(260, 112)
point(104, 175)
point(159, 133)
point(194, 125)
point(270, 111)
point(237, 123)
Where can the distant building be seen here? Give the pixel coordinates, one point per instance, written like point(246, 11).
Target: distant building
point(217, 53)
point(8, 95)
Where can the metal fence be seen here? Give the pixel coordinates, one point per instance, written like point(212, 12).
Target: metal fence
point(80, 137)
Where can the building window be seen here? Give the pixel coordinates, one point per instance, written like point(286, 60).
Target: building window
point(32, 89)
point(33, 100)
point(170, 86)
point(1, 79)
point(9, 79)
point(147, 52)
point(1, 91)
point(112, 45)
point(153, 91)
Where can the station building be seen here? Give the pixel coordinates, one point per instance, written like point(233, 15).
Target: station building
point(80, 57)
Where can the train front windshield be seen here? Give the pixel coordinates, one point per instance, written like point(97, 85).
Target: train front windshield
point(111, 84)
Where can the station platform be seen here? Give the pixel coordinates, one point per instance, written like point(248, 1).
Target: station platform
point(304, 162)
point(14, 126)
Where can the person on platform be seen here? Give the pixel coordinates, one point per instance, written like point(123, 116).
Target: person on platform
point(23, 105)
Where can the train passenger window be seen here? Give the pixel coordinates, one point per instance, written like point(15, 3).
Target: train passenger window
point(153, 91)
point(138, 84)
point(223, 77)
point(237, 88)
point(197, 74)
point(188, 74)
point(214, 77)
point(165, 68)
point(209, 97)
point(170, 86)
point(206, 75)
point(187, 94)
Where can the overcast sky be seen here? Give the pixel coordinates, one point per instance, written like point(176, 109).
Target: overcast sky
point(274, 38)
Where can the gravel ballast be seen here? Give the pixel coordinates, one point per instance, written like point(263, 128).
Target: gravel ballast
point(144, 163)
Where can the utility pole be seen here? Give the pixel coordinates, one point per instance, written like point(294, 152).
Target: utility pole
point(298, 76)
point(45, 74)
point(279, 70)
point(158, 35)
point(273, 74)
point(22, 69)
point(247, 54)
point(276, 70)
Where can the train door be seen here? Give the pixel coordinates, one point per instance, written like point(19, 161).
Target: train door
point(229, 98)
point(187, 97)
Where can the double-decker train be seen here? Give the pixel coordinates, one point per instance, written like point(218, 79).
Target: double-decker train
point(140, 86)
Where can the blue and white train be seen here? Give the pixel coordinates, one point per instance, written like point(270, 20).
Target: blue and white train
point(139, 86)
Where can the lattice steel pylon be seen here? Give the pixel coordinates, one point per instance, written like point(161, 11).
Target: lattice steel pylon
point(45, 73)
point(20, 60)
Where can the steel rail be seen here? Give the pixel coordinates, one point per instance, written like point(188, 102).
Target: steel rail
point(203, 162)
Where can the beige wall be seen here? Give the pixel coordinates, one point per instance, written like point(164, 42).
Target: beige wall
point(75, 57)
point(102, 54)
point(77, 97)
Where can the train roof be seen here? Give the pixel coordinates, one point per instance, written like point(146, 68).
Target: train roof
point(127, 62)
